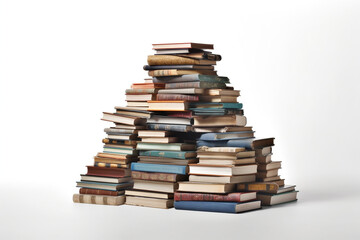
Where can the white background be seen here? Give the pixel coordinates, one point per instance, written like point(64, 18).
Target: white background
point(64, 62)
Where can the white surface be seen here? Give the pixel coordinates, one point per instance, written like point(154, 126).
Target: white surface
point(64, 62)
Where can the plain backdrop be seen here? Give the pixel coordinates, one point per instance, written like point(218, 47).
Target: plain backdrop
point(62, 63)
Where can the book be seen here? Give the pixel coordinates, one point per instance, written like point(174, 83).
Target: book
point(149, 202)
point(218, 105)
point(100, 192)
point(225, 155)
point(111, 160)
point(185, 51)
point(99, 199)
point(263, 159)
point(123, 119)
point(177, 72)
point(268, 173)
point(269, 166)
point(184, 67)
point(151, 133)
point(139, 97)
point(227, 120)
point(111, 165)
point(225, 207)
point(156, 176)
point(222, 179)
point(165, 147)
point(118, 130)
point(176, 97)
point(221, 129)
point(156, 186)
point(147, 167)
point(218, 99)
point(274, 199)
point(249, 143)
point(108, 172)
point(264, 151)
point(123, 126)
point(104, 186)
point(226, 136)
point(222, 170)
point(169, 127)
point(269, 179)
point(181, 90)
point(230, 197)
point(158, 46)
point(202, 55)
point(206, 187)
point(191, 78)
point(140, 91)
point(220, 161)
point(104, 179)
point(194, 85)
point(176, 60)
point(159, 140)
point(147, 85)
point(167, 105)
point(169, 154)
point(158, 119)
point(222, 92)
point(149, 194)
point(172, 161)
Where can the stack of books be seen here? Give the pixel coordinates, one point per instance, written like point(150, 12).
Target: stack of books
point(106, 181)
point(139, 94)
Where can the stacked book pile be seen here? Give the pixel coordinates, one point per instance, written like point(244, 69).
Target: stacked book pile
point(106, 181)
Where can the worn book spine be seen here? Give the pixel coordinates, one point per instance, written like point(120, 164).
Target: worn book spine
point(139, 91)
point(168, 127)
point(164, 97)
point(98, 192)
point(263, 187)
point(231, 197)
point(163, 177)
point(108, 172)
point(111, 165)
point(166, 154)
point(195, 85)
point(99, 199)
point(180, 114)
point(170, 60)
point(146, 167)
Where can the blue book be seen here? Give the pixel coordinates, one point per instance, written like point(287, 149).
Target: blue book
point(161, 168)
point(226, 136)
point(169, 154)
point(225, 207)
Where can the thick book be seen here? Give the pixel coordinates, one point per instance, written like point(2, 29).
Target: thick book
point(156, 176)
point(183, 67)
point(222, 179)
point(108, 172)
point(217, 121)
point(176, 60)
point(153, 133)
point(177, 97)
point(139, 97)
point(149, 202)
point(167, 105)
point(156, 186)
point(157, 46)
point(195, 85)
point(165, 146)
point(177, 72)
point(230, 197)
point(268, 173)
point(149, 194)
point(169, 127)
point(260, 159)
point(264, 151)
point(100, 192)
point(111, 160)
point(274, 199)
point(123, 119)
point(104, 186)
point(204, 187)
point(160, 168)
point(221, 170)
point(169, 154)
point(225, 207)
point(99, 199)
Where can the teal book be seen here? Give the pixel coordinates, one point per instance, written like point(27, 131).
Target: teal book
point(165, 146)
point(160, 168)
point(169, 154)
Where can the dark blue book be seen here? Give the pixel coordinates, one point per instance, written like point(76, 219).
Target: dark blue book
point(225, 207)
point(169, 127)
point(227, 136)
point(161, 168)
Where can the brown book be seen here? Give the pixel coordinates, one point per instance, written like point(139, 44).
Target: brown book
point(176, 60)
point(263, 151)
point(269, 173)
point(215, 121)
point(111, 160)
point(256, 186)
point(115, 156)
point(218, 99)
point(262, 143)
point(269, 166)
point(263, 159)
point(100, 192)
point(280, 182)
point(108, 172)
point(268, 179)
point(99, 199)
point(274, 199)
point(177, 72)
point(164, 177)
point(159, 46)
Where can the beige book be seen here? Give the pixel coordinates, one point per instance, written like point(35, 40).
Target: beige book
point(222, 170)
point(156, 186)
point(99, 199)
point(206, 187)
point(138, 193)
point(149, 202)
point(226, 120)
point(217, 179)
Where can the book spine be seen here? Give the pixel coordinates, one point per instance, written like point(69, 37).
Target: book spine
point(163, 72)
point(234, 197)
point(164, 177)
point(213, 57)
point(162, 168)
point(113, 141)
point(183, 85)
point(97, 192)
point(107, 172)
point(164, 97)
point(166, 154)
point(150, 90)
point(98, 199)
point(110, 165)
point(226, 207)
point(168, 127)
point(267, 187)
point(180, 114)
point(170, 60)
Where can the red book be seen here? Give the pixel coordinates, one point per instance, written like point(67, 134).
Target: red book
point(108, 172)
point(187, 114)
point(100, 192)
point(230, 197)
